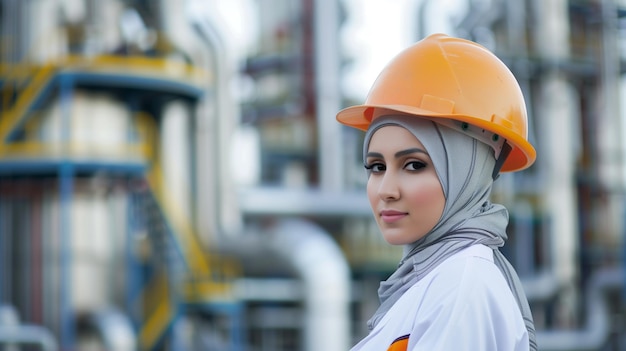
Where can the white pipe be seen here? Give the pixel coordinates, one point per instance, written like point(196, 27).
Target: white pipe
point(609, 122)
point(327, 57)
point(597, 328)
point(176, 153)
point(263, 201)
point(12, 332)
point(556, 120)
point(325, 274)
point(216, 128)
point(28, 334)
point(115, 328)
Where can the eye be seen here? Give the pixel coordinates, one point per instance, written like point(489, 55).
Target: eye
point(375, 167)
point(414, 165)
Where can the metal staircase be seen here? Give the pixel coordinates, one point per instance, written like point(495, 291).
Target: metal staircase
point(184, 274)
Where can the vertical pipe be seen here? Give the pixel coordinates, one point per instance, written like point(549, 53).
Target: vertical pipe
point(524, 239)
point(41, 40)
point(611, 143)
point(517, 47)
point(327, 58)
point(218, 116)
point(609, 124)
point(176, 154)
point(556, 118)
point(325, 274)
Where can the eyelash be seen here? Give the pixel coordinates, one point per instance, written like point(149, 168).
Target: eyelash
point(370, 167)
point(417, 164)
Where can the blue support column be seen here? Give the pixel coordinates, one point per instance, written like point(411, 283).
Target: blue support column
point(66, 185)
point(66, 189)
point(134, 277)
point(3, 255)
point(623, 255)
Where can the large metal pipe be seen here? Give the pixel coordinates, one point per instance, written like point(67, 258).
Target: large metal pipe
point(215, 130)
point(115, 329)
point(319, 264)
point(290, 202)
point(14, 333)
point(596, 330)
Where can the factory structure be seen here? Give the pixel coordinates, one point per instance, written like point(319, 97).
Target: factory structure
point(165, 187)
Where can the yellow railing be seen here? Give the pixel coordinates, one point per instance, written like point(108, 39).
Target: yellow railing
point(209, 276)
point(158, 308)
point(31, 148)
point(138, 65)
point(38, 150)
point(12, 116)
point(28, 81)
point(206, 281)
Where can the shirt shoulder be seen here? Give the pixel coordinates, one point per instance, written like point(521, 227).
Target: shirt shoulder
point(465, 303)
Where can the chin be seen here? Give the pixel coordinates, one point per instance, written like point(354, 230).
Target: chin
point(395, 240)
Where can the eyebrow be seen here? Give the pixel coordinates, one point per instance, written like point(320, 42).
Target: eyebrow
point(399, 153)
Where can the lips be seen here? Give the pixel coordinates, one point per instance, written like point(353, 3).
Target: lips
point(390, 216)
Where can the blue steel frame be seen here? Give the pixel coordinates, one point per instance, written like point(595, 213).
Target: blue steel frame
point(66, 169)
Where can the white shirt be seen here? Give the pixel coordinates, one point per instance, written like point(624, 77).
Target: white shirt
point(462, 304)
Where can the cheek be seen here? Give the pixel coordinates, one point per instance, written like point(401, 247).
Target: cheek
point(428, 199)
point(371, 192)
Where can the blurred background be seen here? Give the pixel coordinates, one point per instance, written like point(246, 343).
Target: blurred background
point(172, 176)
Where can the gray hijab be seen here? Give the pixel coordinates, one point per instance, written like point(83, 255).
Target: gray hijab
point(464, 167)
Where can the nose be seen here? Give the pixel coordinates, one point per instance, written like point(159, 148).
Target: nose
point(388, 189)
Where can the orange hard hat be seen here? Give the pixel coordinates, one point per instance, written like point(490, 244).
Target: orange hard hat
point(451, 79)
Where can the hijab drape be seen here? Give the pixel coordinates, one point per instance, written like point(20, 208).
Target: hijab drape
point(464, 166)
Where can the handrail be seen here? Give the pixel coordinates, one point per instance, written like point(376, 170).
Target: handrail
point(27, 97)
point(37, 150)
point(203, 276)
point(106, 64)
point(160, 311)
point(206, 282)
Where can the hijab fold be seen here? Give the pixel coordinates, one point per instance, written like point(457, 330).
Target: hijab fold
point(464, 167)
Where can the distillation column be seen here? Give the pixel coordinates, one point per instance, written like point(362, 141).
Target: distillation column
point(556, 120)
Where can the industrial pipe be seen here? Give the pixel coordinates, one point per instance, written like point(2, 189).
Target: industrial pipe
point(115, 329)
point(317, 261)
point(597, 328)
point(12, 332)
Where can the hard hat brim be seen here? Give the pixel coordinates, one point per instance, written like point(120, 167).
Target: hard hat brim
point(522, 155)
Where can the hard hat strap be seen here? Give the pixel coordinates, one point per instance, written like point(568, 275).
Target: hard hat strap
point(506, 150)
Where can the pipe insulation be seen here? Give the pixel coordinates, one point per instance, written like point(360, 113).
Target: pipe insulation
point(596, 330)
point(12, 332)
point(324, 272)
point(316, 260)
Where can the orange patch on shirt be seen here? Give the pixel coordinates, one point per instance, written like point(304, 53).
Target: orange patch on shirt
point(400, 344)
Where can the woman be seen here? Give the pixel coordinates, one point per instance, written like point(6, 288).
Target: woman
point(442, 120)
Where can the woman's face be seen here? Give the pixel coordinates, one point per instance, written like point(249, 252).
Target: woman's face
point(403, 188)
